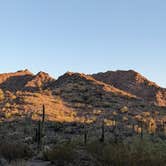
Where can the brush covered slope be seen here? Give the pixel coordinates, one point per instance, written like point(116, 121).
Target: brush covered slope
point(78, 108)
point(74, 95)
point(22, 93)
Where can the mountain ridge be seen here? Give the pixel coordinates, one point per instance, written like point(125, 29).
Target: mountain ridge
point(134, 83)
point(74, 94)
point(118, 86)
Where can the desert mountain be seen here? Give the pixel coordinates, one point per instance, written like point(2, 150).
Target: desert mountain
point(83, 93)
point(82, 88)
point(24, 80)
point(134, 83)
point(73, 95)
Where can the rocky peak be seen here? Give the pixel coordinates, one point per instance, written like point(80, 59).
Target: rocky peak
point(15, 81)
point(26, 71)
point(38, 81)
point(134, 83)
point(83, 81)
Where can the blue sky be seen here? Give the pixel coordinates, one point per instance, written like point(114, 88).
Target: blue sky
point(84, 36)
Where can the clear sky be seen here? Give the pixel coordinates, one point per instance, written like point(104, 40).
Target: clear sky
point(84, 36)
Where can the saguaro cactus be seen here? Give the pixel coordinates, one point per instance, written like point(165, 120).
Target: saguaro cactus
point(39, 135)
point(39, 132)
point(141, 123)
point(43, 121)
point(85, 129)
point(85, 134)
point(164, 126)
point(102, 131)
point(43, 115)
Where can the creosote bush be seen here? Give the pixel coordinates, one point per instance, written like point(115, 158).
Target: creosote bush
point(139, 152)
point(13, 151)
point(1, 95)
point(62, 153)
point(124, 109)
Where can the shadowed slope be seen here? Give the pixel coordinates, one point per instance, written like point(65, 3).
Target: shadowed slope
point(15, 81)
point(24, 80)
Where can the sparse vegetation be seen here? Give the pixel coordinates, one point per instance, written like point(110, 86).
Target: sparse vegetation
point(8, 115)
point(124, 109)
point(15, 150)
point(136, 153)
point(1, 95)
point(126, 130)
point(63, 153)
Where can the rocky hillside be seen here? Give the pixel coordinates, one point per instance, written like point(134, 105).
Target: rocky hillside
point(81, 91)
point(76, 108)
point(23, 92)
point(73, 95)
point(134, 83)
point(15, 81)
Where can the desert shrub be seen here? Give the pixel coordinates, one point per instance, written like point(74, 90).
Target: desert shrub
point(139, 152)
point(97, 111)
point(8, 115)
point(146, 114)
point(1, 95)
point(147, 152)
point(7, 105)
point(107, 104)
point(108, 154)
point(124, 109)
point(47, 92)
point(125, 118)
point(18, 163)
point(13, 151)
point(10, 95)
point(152, 126)
point(109, 122)
point(62, 153)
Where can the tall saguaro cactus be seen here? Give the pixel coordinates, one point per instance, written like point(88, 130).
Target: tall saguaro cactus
point(141, 129)
point(40, 130)
point(102, 131)
point(43, 115)
point(85, 130)
point(85, 134)
point(39, 135)
point(43, 121)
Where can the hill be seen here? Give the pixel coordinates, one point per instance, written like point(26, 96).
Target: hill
point(74, 95)
point(134, 83)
